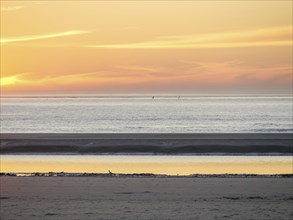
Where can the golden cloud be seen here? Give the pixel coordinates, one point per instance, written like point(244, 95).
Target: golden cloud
point(278, 36)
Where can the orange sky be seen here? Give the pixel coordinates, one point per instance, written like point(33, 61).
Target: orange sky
point(96, 47)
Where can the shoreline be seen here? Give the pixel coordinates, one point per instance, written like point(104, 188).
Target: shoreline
point(149, 154)
point(140, 175)
point(147, 143)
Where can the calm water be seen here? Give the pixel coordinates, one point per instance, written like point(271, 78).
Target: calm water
point(144, 115)
point(158, 164)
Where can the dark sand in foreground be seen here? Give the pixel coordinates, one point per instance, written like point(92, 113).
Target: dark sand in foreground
point(146, 198)
point(147, 143)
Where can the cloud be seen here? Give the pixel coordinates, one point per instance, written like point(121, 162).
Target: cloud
point(129, 28)
point(232, 75)
point(39, 37)
point(12, 8)
point(41, 79)
point(239, 74)
point(136, 68)
point(278, 36)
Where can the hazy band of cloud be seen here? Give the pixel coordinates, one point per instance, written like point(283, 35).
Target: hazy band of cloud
point(44, 36)
point(12, 8)
point(204, 74)
point(278, 36)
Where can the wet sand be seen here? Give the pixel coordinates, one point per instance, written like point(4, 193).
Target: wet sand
point(146, 198)
point(147, 143)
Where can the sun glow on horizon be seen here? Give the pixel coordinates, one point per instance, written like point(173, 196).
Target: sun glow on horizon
point(10, 80)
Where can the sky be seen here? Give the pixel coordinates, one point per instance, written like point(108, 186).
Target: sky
point(146, 47)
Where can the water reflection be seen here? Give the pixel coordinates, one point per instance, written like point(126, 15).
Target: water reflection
point(159, 164)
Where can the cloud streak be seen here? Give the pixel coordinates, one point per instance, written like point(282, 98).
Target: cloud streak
point(40, 37)
point(12, 8)
point(278, 36)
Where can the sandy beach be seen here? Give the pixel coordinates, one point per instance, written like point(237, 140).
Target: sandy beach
point(147, 143)
point(146, 198)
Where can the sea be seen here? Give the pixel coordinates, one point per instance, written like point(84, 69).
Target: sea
point(147, 114)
